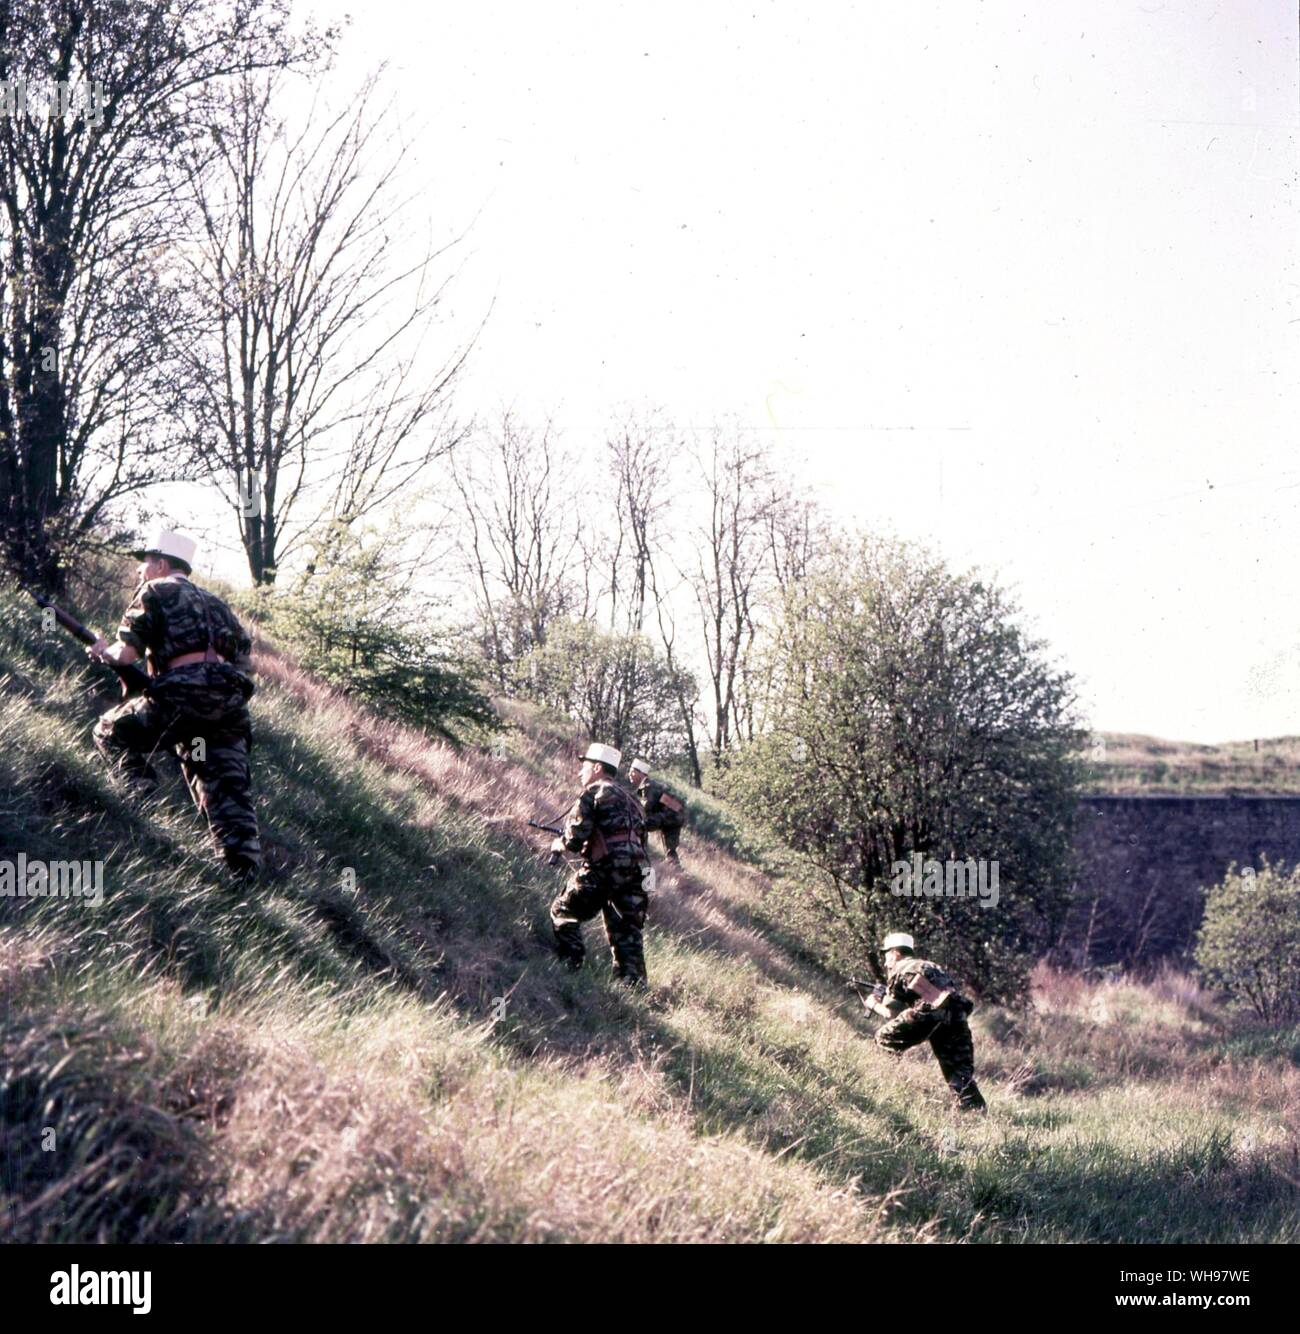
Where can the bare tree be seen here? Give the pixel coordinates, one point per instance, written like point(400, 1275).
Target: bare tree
point(684, 688)
point(311, 390)
point(795, 530)
point(732, 545)
point(642, 452)
point(522, 550)
point(100, 96)
point(645, 452)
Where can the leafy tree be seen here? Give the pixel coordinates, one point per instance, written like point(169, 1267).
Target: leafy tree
point(584, 672)
point(910, 714)
point(354, 621)
point(1249, 942)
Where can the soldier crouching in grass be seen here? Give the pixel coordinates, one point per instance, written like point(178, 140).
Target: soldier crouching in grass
point(606, 827)
point(197, 700)
point(921, 1001)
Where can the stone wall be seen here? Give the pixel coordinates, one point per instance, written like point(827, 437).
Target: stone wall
point(1144, 862)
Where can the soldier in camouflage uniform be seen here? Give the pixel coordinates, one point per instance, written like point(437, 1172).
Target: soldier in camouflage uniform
point(664, 812)
point(921, 1001)
point(197, 701)
point(607, 828)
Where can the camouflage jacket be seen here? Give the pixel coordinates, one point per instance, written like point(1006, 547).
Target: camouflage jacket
point(658, 813)
point(901, 993)
point(171, 616)
point(605, 808)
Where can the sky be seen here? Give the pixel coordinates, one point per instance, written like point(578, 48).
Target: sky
point(1017, 281)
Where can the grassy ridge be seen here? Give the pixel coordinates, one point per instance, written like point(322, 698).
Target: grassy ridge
point(1130, 764)
point(405, 1060)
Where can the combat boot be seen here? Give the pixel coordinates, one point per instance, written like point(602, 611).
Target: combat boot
point(243, 868)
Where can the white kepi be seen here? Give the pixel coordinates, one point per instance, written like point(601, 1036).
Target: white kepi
point(640, 767)
point(898, 940)
point(174, 546)
point(604, 754)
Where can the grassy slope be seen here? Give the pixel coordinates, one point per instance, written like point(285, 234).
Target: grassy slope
point(319, 1064)
point(1131, 764)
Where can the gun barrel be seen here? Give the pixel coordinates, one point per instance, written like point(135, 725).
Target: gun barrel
point(548, 828)
point(133, 676)
point(70, 623)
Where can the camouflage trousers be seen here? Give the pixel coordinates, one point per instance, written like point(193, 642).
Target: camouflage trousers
point(950, 1040)
point(671, 838)
point(201, 714)
point(619, 895)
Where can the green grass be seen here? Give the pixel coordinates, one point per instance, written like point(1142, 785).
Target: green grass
point(406, 1061)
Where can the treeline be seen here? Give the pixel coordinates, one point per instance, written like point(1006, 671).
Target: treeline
point(627, 579)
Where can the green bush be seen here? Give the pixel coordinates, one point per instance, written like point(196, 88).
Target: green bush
point(618, 687)
point(354, 621)
point(908, 714)
point(1249, 942)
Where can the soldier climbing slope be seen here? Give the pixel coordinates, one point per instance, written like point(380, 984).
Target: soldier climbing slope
point(664, 813)
point(197, 701)
point(921, 1001)
point(606, 827)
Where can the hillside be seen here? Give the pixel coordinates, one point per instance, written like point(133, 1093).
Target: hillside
point(407, 1061)
point(1126, 763)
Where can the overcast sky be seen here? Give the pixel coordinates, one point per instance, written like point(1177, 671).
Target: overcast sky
point(1015, 280)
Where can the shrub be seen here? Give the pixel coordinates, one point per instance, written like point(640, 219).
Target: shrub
point(909, 714)
point(1249, 942)
point(354, 621)
point(618, 687)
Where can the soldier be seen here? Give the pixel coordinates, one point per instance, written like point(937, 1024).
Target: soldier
point(197, 701)
point(921, 1001)
point(606, 826)
point(664, 812)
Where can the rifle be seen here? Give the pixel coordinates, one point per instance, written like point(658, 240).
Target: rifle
point(134, 678)
point(554, 858)
point(876, 992)
point(859, 984)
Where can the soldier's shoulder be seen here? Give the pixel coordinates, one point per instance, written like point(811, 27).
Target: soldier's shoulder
point(168, 589)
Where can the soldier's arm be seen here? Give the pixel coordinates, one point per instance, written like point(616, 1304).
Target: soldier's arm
point(579, 824)
point(139, 625)
point(893, 1002)
point(138, 622)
